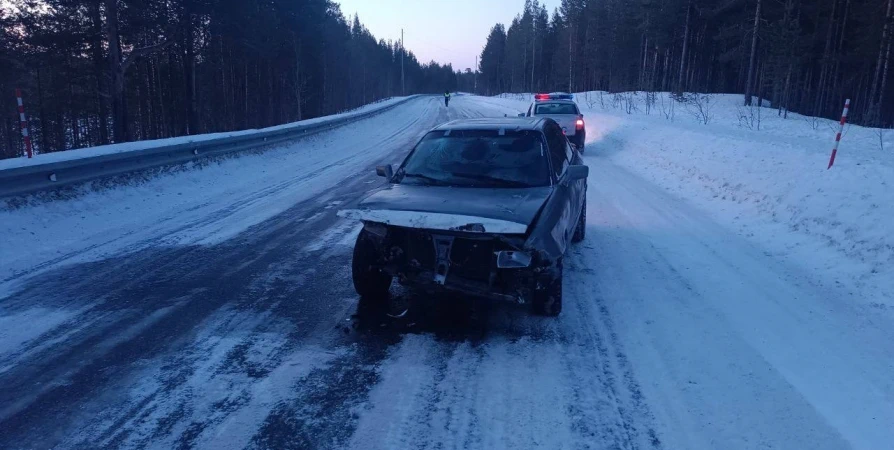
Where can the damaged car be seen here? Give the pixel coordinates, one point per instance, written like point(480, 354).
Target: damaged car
point(483, 207)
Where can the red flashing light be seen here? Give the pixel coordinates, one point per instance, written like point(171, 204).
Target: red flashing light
point(541, 96)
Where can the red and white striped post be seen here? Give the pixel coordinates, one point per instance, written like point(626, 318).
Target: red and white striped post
point(847, 105)
point(26, 136)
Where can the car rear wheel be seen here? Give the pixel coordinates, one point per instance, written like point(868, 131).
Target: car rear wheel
point(548, 294)
point(580, 231)
point(370, 282)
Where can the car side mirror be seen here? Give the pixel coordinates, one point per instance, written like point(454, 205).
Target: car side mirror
point(578, 172)
point(385, 171)
point(521, 115)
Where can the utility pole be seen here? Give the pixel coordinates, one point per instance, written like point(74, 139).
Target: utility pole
point(533, 53)
point(403, 88)
point(475, 76)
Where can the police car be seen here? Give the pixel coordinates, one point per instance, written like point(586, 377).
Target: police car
point(561, 108)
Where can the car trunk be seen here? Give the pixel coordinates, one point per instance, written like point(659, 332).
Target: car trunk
point(568, 122)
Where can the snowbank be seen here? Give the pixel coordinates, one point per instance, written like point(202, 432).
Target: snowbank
point(762, 174)
point(70, 155)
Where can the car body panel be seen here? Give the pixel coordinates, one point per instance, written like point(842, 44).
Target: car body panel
point(552, 233)
point(448, 237)
point(566, 121)
point(517, 205)
point(435, 221)
point(493, 123)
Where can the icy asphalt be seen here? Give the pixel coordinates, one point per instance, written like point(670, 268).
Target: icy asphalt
point(226, 319)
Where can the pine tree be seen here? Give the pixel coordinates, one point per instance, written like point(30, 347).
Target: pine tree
point(801, 55)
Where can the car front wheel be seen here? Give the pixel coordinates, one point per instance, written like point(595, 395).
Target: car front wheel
point(369, 281)
point(547, 298)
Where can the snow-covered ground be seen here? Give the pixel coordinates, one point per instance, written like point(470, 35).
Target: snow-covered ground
point(203, 206)
point(770, 184)
point(730, 294)
point(720, 301)
point(53, 157)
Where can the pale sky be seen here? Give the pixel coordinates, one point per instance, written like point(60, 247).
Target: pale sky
point(446, 31)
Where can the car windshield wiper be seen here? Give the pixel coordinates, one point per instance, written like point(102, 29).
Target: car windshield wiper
point(425, 177)
point(498, 181)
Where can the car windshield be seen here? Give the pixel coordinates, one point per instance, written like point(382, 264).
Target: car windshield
point(481, 158)
point(556, 108)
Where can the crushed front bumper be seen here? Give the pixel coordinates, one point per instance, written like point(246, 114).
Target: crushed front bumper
point(461, 262)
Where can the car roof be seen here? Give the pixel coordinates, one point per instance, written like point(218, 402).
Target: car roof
point(546, 102)
point(513, 123)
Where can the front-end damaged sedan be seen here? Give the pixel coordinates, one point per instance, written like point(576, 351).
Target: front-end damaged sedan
point(486, 207)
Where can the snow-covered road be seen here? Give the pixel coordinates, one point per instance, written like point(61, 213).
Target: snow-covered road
point(213, 309)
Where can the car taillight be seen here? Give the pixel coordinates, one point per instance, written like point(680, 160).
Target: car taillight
point(580, 124)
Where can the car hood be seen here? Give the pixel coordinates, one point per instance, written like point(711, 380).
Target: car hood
point(517, 206)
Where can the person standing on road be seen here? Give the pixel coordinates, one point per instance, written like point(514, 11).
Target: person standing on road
point(447, 99)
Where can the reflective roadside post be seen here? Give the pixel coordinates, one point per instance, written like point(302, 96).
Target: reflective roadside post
point(847, 105)
point(26, 136)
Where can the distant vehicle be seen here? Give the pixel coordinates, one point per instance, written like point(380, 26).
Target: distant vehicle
point(485, 207)
point(561, 108)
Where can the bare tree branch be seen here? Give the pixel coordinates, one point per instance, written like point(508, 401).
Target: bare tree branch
point(148, 50)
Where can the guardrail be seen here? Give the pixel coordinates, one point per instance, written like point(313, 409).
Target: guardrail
point(42, 177)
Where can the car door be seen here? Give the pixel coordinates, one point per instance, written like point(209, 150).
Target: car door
point(578, 188)
point(555, 225)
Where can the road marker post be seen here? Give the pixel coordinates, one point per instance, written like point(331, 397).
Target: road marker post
point(26, 136)
point(847, 106)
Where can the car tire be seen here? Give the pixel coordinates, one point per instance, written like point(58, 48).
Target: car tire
point(371, 283)
point(547, 298)
point(580, 231)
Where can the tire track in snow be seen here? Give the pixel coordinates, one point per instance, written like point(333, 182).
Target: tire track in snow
point(248, 307)
point(250, 267)
point(255, 273)
point(163, 228)
point(133, 269)
point(617, 405)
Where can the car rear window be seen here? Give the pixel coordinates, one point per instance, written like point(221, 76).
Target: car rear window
point(483, 158)
point(556, 108)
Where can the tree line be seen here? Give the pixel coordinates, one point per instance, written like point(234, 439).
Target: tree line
point(805, 56)
point(95, 72)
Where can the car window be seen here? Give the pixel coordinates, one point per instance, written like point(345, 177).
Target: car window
point(556, 108)
point(557, 147)
point(481, 158)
